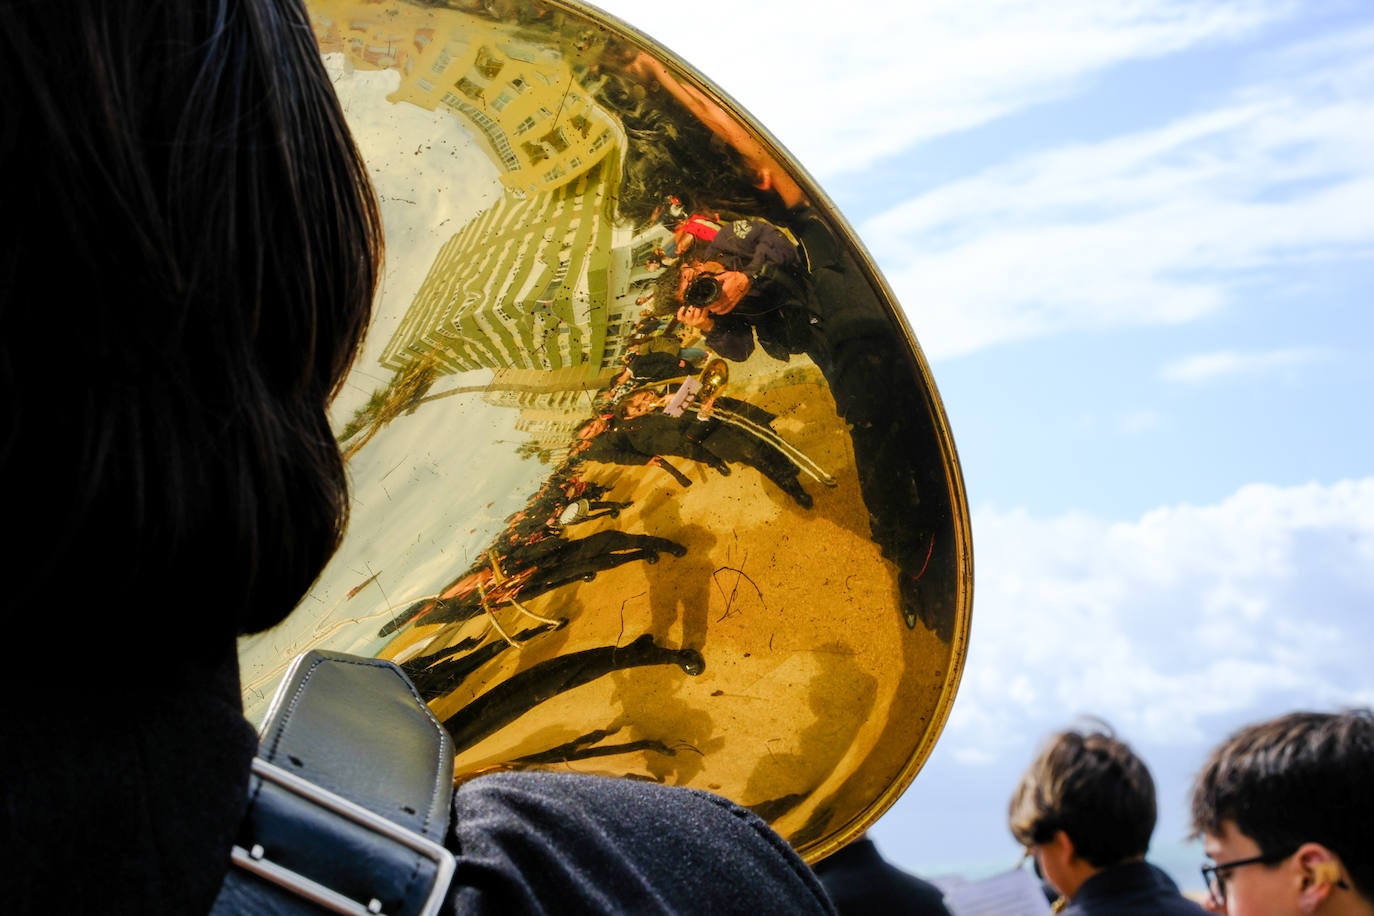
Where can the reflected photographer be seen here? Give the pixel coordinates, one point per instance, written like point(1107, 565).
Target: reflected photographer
point(745, 284)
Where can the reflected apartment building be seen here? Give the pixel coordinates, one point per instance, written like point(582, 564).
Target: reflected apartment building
point(543, 282)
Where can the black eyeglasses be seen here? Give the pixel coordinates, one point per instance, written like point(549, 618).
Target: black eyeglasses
point(1215, 878)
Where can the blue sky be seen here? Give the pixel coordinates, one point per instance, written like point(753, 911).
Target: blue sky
point(1136, 243)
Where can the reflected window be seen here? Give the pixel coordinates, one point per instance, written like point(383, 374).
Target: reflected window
point(468, 88)
point(534, 151)
point(488, 64)
point(556, 139)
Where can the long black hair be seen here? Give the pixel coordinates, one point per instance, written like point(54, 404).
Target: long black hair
point(190, 251)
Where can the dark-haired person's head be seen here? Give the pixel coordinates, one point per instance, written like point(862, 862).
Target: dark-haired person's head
point(189, 253)
point(190, 250)
point(1285, 809)
point(1087, 793)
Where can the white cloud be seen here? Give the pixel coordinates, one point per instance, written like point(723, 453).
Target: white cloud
point(1164, 623)
point(1163, 225)
point(1168, 249)
point(1205, 367)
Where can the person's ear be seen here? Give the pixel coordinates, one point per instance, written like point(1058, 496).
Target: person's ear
point(1061, 847)
point(1321, 875)
point(1064, 870)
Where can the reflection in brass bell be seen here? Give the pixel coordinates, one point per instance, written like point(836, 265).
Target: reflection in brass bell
point(725, 625)
point(713, 376)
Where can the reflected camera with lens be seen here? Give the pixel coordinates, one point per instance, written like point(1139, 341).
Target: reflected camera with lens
point(702, 291)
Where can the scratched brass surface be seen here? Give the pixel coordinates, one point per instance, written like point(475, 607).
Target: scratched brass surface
point(673, 623)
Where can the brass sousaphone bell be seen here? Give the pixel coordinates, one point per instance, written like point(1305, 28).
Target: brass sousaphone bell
point(799, 656)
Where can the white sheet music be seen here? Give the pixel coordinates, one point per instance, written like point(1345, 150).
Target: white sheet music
point(683, 397)
point(1009, 893)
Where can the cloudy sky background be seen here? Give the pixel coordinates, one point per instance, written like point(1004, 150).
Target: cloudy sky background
point(1135, 241)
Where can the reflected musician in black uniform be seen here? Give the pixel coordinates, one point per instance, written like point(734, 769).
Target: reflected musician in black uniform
point(641, 432)
point(529, 566)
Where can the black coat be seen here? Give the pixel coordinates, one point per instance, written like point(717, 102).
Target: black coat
point(1131, 889)
point(860, 881)
point(128, 784)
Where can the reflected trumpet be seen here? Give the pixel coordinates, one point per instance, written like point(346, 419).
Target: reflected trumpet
point(712, 378)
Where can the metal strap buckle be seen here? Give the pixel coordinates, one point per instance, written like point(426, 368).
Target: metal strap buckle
point(255, 860)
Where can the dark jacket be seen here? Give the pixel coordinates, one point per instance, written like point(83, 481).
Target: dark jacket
point(1128, 889)
point(658, 365)
point(860, 881)
point(777, 308)
point(539, 842)
point(133, 785)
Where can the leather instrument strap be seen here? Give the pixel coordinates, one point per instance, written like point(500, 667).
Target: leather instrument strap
point(349, 798)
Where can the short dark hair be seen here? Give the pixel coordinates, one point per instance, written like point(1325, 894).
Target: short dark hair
point(1298, 778)
point(190, 251)
point(1093, 787)
point(666, 284)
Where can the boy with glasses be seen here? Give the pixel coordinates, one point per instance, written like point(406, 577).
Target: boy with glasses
point(1285, 809)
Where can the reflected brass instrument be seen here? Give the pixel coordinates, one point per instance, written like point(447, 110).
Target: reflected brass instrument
point(795, 650)
point(698, 392)
point(713, 377)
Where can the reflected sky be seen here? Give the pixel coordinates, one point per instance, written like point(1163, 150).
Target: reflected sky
point(415, 485)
